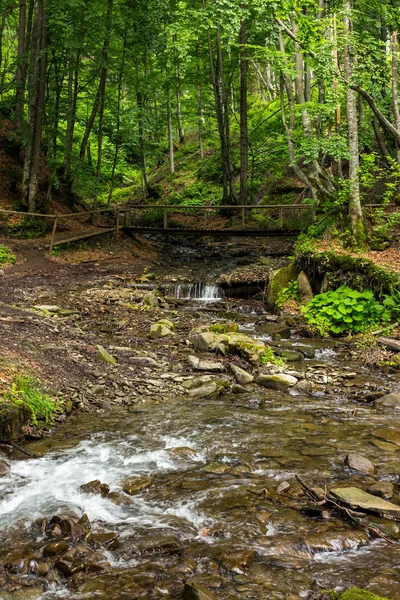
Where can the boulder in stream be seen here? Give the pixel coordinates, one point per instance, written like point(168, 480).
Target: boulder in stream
point(95, 487)
point(389, 401)
point(242, 377)
point(383, 489)
point(229, 343)
point(135, 485)
point(195, 591)
point(205, 365)
point(360, 463)
point(162, 328)
point(360, 500)
point(201, 387)
point(280, 381)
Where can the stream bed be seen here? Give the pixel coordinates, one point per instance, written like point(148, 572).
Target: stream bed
point(221, 505)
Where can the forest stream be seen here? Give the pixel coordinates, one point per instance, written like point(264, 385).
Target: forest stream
point(218, 502)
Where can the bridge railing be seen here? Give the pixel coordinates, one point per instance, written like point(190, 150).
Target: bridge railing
point(277, 216)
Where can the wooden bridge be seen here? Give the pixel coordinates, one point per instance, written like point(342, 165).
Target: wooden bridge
point(190, 220)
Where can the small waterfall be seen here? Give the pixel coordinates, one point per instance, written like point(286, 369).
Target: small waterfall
point(201, 292)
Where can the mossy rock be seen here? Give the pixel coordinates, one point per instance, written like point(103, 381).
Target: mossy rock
point(12, 418)
point(357, 594)
point(224, 328)
point(278, 280)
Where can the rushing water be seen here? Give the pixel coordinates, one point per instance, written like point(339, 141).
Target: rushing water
point(199, 292)
point(216, 513)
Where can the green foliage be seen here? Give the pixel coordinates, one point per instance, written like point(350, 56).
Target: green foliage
point(27, 391)
point(358, 594)
point(30, 228)
point(153, 217)
point(6, 256)
point(345, 311)
point(291, 292)
point(270, 357)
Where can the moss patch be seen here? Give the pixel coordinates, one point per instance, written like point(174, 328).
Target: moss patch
point(224, 328)
point(357, 594)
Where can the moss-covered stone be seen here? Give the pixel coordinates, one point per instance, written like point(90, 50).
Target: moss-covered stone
point(12, 418)
point(358, 594)
point(278, 280)
point(225, 328)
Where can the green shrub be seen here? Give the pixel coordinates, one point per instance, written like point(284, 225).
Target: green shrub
point(291, 292)
point(357, 594)
point(345, 311)
point(6, 256)
point(270, 357)
point(153, 217)
point(31, 228)
point(26, 390)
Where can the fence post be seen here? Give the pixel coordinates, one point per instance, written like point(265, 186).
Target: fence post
point(53, 235)
point(243, 216)
point(281, 217)
point(117, 223)
point(165, 217)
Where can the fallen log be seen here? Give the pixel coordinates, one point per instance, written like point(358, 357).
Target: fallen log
point(389, 344)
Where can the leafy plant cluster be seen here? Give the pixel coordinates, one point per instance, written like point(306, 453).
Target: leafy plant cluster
point(6, 256)
point(291, 292)
point(346, 311)
point(270, 357)
point(27, 391)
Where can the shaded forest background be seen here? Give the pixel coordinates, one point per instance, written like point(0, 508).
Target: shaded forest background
point(201, 102)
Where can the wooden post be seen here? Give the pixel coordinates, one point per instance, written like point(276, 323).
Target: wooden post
point(53, 235)
point(243, 216)
point(165, 217)
point(117, 223)
point(205, 218)
point(281, 217)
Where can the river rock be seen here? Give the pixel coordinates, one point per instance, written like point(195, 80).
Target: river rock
point(305, 290)
point(167, 544)
point(105, 356)
point(283, 487)
point(225, 328)
point(55, 548)
point(291, 355)
point(48, 308)
point(135, 485)
point(234, 343)
point(389, 401)
point(388, 434)
point(151, 299)
point(12, 418)
point(360, 500)
point(119, 499)
point(183, 452)
point(383, 489)
point(280, 381)
point(239, 389)
point(241, 376)
point(108, 539)
point(2, 273)
point(205, 365)
point(162, 328)
point(303, 387)
point(360, 463)
point(4, 468)
point(201, 387)
point(278, 280)
point(274, 329)
point(195, 591)
point(95, 487)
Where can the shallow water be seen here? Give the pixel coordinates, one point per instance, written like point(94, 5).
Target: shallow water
point(253, 442)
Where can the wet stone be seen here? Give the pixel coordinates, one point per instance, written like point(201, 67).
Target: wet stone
point(195, 591)
point(135, 485)
point(242, 377)
point(55, 548)
point(360, 500)
point(356, 462)
point(160, 545)
point(276, 382)
point(389, 401)
point(383, 489)
point(283, 487)
point(95, 487)
point(205, 365)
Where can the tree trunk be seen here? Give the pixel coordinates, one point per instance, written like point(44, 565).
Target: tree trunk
point(170, 133)
point(21, 67)
point(244, 134)
point(355, 209)
point(395, 87)
point(36, 91)
point(73, 80)
point(117, 141)
point(200, 121)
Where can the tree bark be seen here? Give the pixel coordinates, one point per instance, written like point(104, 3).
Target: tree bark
point(244, 134)
point(21, 67)
point(395, 87)
point(73, 80)
point(117, 140)
point(170, 133)
point(355, 209)
point(36, 91)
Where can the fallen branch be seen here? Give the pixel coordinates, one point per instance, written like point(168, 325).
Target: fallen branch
point(385, 329)
point(22, 450)
point(345, 512)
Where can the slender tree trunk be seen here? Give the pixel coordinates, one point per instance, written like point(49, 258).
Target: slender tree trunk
point(170, 133)
point(140, 106)
point(200, 121)
point(117, 141)
point(99, 100)
point(21, 67)
point(37, 87)
point(73, 81)
point(380, 141)
point(355, 209)
point(244, 134)
point(181, 131)
point(395, 87)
